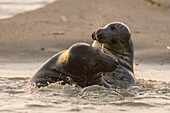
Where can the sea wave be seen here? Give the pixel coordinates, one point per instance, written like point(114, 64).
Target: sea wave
point(10, 8)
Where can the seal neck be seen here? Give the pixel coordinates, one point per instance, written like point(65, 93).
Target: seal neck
point(123, 52)
point(81, 80)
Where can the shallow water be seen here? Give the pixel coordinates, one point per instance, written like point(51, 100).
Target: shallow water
point(146, 96)
point(9, 8)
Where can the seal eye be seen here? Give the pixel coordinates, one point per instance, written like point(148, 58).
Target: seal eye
point(112, 27)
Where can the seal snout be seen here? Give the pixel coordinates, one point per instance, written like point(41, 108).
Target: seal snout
point(94, 35)
point(99, 34)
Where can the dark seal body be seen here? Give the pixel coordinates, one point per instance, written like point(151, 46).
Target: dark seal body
point(115, 40)
point(81, 64)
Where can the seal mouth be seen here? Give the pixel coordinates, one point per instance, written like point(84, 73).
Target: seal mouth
point(94, 37)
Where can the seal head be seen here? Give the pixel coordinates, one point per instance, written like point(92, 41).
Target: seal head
point(118, 30)
point(115, 40)
point(83, 63)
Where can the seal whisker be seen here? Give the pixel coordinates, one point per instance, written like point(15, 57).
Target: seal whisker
point(101, 21)
point(97, 23)
point(94, 25)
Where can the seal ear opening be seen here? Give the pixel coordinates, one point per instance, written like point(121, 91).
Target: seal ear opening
point(94, 35)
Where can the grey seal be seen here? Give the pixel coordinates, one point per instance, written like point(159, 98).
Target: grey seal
point(115, 40)
point(81, 64)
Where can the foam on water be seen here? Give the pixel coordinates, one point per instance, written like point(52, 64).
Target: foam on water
point(9, 8)
point(146, 94)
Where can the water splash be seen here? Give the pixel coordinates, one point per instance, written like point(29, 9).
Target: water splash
point(150, 94)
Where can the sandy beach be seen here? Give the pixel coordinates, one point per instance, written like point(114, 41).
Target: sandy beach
point(37, 35)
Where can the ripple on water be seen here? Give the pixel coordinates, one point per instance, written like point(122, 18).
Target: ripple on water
point(133, 104)
point(10, 8)
point(77, 99)
point(12, 85)
point(39, 105)
point(95, 94)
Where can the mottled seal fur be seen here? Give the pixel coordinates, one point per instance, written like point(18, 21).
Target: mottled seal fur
point(115, 40)
point(81, 64)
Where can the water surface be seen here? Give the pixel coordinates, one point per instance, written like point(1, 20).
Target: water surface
point(147, 95)
point(9, 8)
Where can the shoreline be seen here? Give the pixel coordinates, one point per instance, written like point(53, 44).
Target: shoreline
point(37, 35)
point(11, 8)
point(143, 72)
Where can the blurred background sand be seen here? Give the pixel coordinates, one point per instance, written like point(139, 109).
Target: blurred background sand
point(35, 36)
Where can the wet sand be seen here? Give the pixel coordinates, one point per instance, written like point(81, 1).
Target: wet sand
point(37, 35)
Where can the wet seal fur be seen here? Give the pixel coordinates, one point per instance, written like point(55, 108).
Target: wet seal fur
point(115, 40)
point(81, 64)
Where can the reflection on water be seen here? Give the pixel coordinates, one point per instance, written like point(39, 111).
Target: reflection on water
point(9, 8)
point(147, 95)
